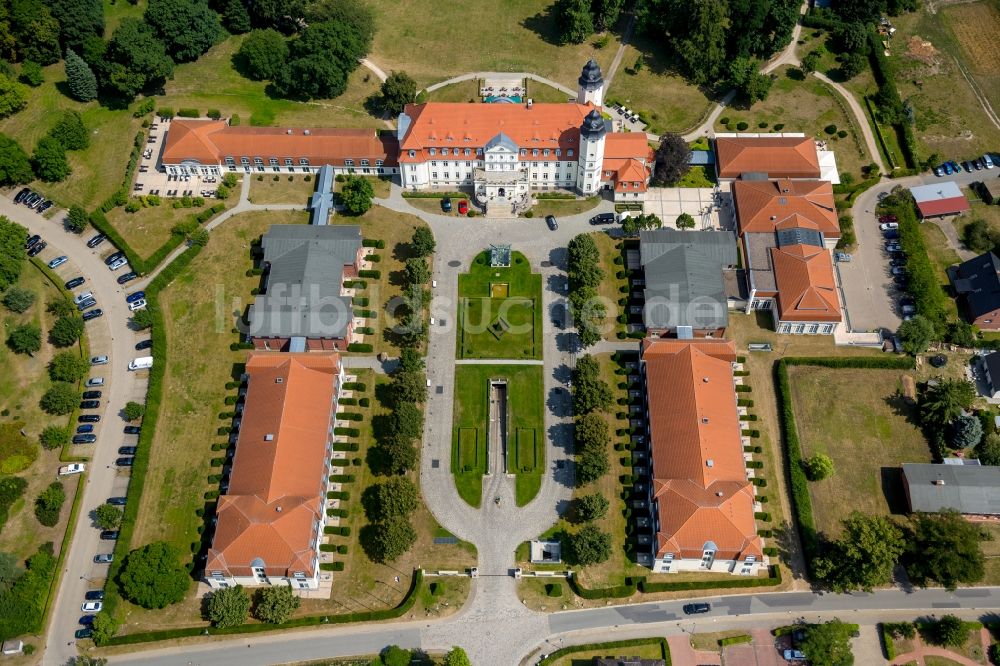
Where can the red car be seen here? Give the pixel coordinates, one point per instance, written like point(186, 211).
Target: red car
point(463, 207)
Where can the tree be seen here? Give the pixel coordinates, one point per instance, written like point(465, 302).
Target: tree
point(15, 167)
point(590, 392)
point(394, 498)
point(228, 607)
point(410, 360)
point(187, 28)
point(54, 437)
point(60, 307)
point(573, 21)
point(949, 631)
point(852, 64)
point(916, 334)
point(942, 403)
point(966, 431)
point(589, 546)
point(864, 556)
point(18, 299)
point(457, 657)
point(36, 31)
point(818, 467)
point(31, 74)
point(84, 660)
point(750, 83)
point(10, 570)
point(582, 262)
point(945, 548)
point(809, 62)
point(61, 398)
point(80, 79)
point(422, 244)
point(356, 195)
point(685, 221)
point(133, 411)
point(153, 577)
point(417, 271)
point(394, 655)
point(977, 236)
point(408, 387)
point(142, 319)
point(70, 131)
point(356, 14)
point(77, 219)
point(860, 11)
point(275, 604)
point(988, 450)
point(12, 253)
point(25, 339)
point(134, 61)
point(394, 455)
point(49, 160)
point(406, 420)
point(67, 366)
point(592, 440)
point(78, 20)
point(385, 541)
point(13, 96)
point(606, 13)
point(696, 31)
point(49, 504)
point(66, 331)
point(108, 516)
point(235, 17)
point(673, 159)
point(398, 90)
point(263, 54)
point(281, 14)
point(828, 644)
point(320, 61)
point(591, 507)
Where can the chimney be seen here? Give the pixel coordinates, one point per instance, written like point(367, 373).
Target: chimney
point(288, 131)
point(938, 482)
point(278, 509)
point(709, 463)
point(268, 437)
point(530, 102)
point(704, 419)
point(718, 494)
point(279, 380)
point(306, 132)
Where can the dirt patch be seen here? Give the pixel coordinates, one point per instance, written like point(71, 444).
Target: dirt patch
point(909, 388)
point(918, 48)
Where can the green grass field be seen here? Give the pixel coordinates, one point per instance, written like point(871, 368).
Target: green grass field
point(500, 327)
point(524, 414)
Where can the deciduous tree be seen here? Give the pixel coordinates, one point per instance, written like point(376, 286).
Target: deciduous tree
point(750, 83)
point(457, 657)
point(187, 28)
point(49, 504)
point(275, 604)
point(417, 271)
point(61, 398)
point(25, 338)
point(398, 90)
point(108, 516)
point(818, 467)
point(945, 548)
point(18, 299)
point(673, 159)
point(153, 576)
point(67, 366)
point(864, 555)
point(356, 195)
point(592, 440)
point(591, 507)
point(988, 450)
point(387, 540)
point(77, 220)
point(134, 61)
point(423, 244)
point(264, 53)
point(828, 644)
point(66, 331)
point(589, 546)
point(574, 21)
point(70, 131)
point(133, 411)
point(78, 20)
point(229, 607)
point(15, 167)
point(394, 498)
point(590, 392)
point(235, 17)
point(916, 334)
point(142, 319)
point(54, 437)
point(685, 221)
point(49, 160)
point(13, 96)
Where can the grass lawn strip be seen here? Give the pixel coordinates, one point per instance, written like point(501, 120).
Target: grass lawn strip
point(281, 189)
point(609, 290)
point(149, 228)
point(562, 207)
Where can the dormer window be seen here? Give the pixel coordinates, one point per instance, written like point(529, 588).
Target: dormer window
point(348, 162)
point(534, 152)
point(413, 153)
point(569, 152)
point(433, 151)
point(444, 151)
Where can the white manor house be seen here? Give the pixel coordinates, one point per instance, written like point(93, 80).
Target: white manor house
point(501, 152)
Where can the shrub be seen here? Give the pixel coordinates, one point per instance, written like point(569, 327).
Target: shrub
point(553, 590)
point(742, 125)
point(830, 129)
point(188, 113)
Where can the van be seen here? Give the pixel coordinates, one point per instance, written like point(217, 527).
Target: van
point(141, 363)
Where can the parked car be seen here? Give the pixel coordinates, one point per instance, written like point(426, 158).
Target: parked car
point(143, 344)
point(694, 609)
point(105, 558)
point(88, 418)
point(842, 257)
point(92, 607)
point(84, 429)
point(898, 270)
point(463, 207)
point(20, 196)
point(794, 655)
point(137, 305)
point(37, 248)
point(58, 261)
point(118, 263)
point(80, 298)
point(947, 169)
point(114, 257)
point(135, 296)
point(88, 302)
point(72, 468)
point(132, 430)
point(87, 620)
point(128, 277)
point(90, 404)
point(897, 261)
point(446, 204)
point(977, 164)
point(908, 309)
point(551, 221)
point(31, 241)
point(892, 246)
point(988, 161)
point(889, 226)
point(93, 314)
point(116, 501)
point(96, 240)
point(91, 395)
point(45, 205)
point(109, 535)
point(967, 165)
point(938, 171)
point(86, 632)
point(124, 462)
point(891, 234)
point(127, 450)
point(75, 282)
point(603, 218)
point(98, 360)
point(95, 381)
point(84, 439)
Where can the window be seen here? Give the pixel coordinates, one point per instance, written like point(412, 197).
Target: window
point(468, 164)
point(413, 153)
point(434, 174)
point(364, 163)
point(569, 152)
point(434, 163)
point(558, 152)
point(379, 162)
point(444, 151)
point(545, 164)
point(534, 152)
point(467, 151)
point(447, 175)
point(229, 160)
point(273, 161)
point(545, 152)
point(288, 161)
point(257, 161)
point(607, 174)
point(348, 162)
point(479, 151)
point(303, 162)
point(545, 176)
point(524, 151)
point(433, 151)
point(534, 176)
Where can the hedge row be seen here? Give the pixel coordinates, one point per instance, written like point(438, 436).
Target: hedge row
point(433, 195)
point(773, 578)
point(879, 362)
point(924, 285)
point(309, 621)
point(361, 347)
point(617, 592)
point(885, 79)
point(608, 648)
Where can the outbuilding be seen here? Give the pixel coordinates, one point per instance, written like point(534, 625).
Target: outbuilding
point(939, 199)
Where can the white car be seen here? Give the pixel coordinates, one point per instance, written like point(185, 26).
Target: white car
point(72, 468)
point(82, 297)
point(95, 381)
point(58, 261)
point(137, 305)
point(92, 607)
point(886, 226)
point(118, 263)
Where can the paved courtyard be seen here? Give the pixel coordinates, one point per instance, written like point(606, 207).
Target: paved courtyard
point(711, 208)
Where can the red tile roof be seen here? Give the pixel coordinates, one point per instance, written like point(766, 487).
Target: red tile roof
point(699, 475)
point(807, 291)
point(767, 205)
point(211, 141)
point(779, 157)
point(951, 206)
point(277, 484)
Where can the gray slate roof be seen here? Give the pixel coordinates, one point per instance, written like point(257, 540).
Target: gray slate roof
point(977, 282)
point(684, 282)
point(970, 489)
point(303, 285)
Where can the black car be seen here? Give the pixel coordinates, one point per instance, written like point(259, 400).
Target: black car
point(116, 501)
point(895, 261)
point(694, 609)
point(551, 221)
point(603, 218)
point(92, 314)
point(75, 282)
point(94, 595)
point(967, 165)
point(21, 195)
point(84, 429)
point(901, 280)
point(127, 450)
point(37, 248)
point(88, 418)
point(124, 462)
point(96, 240)
point(90, 404)
point(132, 430)
point(84, 439)
point(109, 535)
point(890, 234)
point(31, 241)
point(144, 344)
point(84, 633)
point(87, 620)
point(45, 206)
point(446, 204)
point(91, 395)
point(114, 257)
point(128, 277)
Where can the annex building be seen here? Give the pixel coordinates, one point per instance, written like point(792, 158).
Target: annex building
point(271, 517)
point(701, 498)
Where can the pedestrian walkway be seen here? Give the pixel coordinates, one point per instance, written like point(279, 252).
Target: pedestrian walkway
point(922, 651)
point(499, 361)
point(682, 654)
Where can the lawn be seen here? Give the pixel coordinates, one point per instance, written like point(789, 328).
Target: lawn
point(608, 289)
point(991, 550)
point(381, 185)
point(470, 457)
point(396, 230)
point(468, 91)
point(281, 190)
point(868, 430)
point(670, 103)
point(654, 650)
point(149, 228)
point(804, 106)
point(562, 207)
point(492, 325)
point(521, 39)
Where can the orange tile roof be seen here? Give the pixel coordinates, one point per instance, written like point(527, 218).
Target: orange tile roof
point(699, 473)
point(277, 484)
point(767, 205)
point(211, 141)
point(807, 291)
point(631, 172)
point(627, 145)
point(779, 157)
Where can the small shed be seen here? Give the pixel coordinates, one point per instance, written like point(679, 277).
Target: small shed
point(939, 199)
point(13, 646)
point(546, 552)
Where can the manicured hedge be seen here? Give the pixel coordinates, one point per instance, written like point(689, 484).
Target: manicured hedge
point(341, 478)
point(735, 640)
point(347, 432)
point(886, 362)
point(612, 647)
point(801, 502)
point(361, 347)
point(374, 275)
point(354, 386)
point(433, 195)
point(308, 621)
point(338, 495)
point(617, 592)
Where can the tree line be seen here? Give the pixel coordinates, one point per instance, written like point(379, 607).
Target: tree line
point(585, 273)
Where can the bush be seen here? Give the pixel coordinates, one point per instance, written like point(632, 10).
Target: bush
point(742, 125)
point(18, 299)
point(188, 113)
point(830, 129)
point(362, 347)
point(553, 590)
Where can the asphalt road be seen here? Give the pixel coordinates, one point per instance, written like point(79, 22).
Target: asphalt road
point(108, 335)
